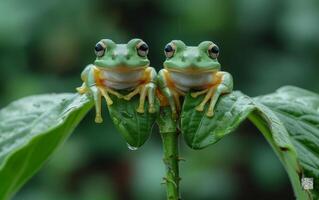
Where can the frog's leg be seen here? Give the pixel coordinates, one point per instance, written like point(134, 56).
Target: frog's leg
point(97, 101)
point(109, 90)
point(209, 93)
point(151, 95)
point(168, 92)
point(133, 93)
point(89, 86)
point(140, 107)
point(196, 94)
point(105, 94)
point(83, 88)
point(225, 85)
point(147, 88)
point(176, 95)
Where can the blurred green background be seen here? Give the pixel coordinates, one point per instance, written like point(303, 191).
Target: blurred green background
point(264, 44)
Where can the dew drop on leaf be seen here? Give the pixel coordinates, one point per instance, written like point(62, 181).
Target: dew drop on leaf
point(130, 147)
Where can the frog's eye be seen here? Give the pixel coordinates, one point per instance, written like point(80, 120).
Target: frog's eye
point(99, 49)
point(213, 51)
point(169, 50)
point(142, 49)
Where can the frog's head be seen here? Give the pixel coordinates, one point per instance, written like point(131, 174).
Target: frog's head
point(182, 58)
point(112, 55)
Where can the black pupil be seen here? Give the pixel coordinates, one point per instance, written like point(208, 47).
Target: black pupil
point(214, 49)
point(168, 48)
point(98, 47)
point(143, 47)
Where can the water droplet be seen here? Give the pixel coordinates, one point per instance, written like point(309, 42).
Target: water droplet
point(132, 148)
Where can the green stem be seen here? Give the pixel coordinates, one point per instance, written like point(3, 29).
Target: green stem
point(169, 133)
point(171, 160)
point(286, 158)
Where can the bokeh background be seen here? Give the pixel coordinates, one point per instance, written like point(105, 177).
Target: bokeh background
point(264, 44)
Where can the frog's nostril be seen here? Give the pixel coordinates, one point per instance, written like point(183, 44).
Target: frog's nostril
point(198, 58)
point(127, 57)
point(183, 58)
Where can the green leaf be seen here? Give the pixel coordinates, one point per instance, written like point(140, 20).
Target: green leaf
point(133, 126)
point(298, 109)
point(289, 120)
point(200, 131)
point(30, 130)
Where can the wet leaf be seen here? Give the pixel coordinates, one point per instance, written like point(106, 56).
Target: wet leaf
point(289, 120)
point(200, 131)
point(133, 126)
point(30, 130)
point(298, 110)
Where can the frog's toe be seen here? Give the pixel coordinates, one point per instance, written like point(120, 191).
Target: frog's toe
point(140, 109)
point(109, 102)
point(98, 119)
point(81, 90)
point(151, 108)
point(210, 113)
point(130, 95)
point(127, 97)
point(118, 95)
point(200, 108)
point(193, 95)
point(106, 96)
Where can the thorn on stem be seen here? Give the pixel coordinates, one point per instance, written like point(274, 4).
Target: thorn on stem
point(181, 159)
point(171, 181)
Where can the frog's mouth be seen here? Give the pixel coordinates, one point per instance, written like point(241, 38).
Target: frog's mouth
point(122, 68)
point(190, 70)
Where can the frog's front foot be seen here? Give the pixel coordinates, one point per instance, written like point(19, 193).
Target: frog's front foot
point(97, 92)
point(144, 90)
point(105, 92)
point(82, 89)
point(214, 92)
point(210, 95)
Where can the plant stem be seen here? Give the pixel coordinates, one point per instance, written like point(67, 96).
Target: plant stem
point(171, 160)
point(286, 158)
point(169, 134)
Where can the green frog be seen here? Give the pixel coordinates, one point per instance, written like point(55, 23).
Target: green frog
point(120, 67)
point(195, 69)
